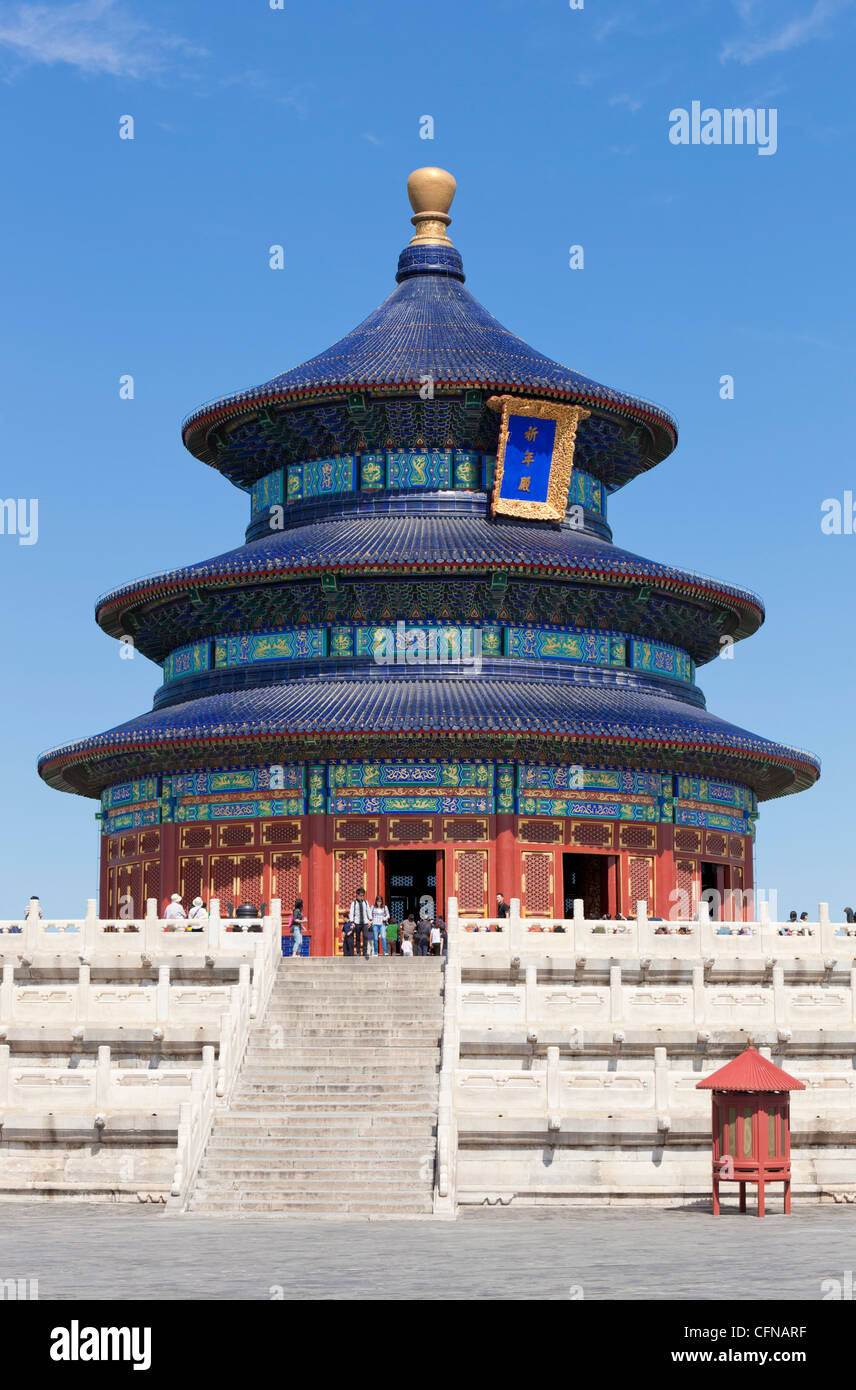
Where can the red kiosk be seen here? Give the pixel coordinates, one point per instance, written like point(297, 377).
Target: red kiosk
point(751, 1125)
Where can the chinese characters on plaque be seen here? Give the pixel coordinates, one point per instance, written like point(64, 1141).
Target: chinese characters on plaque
point(535, 457)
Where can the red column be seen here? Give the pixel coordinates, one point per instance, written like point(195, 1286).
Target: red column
point(319, 905)
point(169, 863)
point(665, 877)
point(507, 876)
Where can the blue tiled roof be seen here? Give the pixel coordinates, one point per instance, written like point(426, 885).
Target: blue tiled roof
point(362, 542)
point(431, 326)
point(598, 717)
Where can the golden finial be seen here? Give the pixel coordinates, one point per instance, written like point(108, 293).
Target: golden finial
point(430, 192)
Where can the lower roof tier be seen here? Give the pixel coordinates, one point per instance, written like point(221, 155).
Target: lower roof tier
point(318, 718)
point(396, 547)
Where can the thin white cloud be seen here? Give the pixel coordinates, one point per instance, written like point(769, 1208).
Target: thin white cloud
point(793, 34)
point(624, 99)
point(97, 37)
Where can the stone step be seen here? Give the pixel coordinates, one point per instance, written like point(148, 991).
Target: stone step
point(421, 1064)
point(232, 1151)
point(360, 1008)
point(321, 1112)
point(303, 1129)
point(235, 1162)
point(343, 1067)
point(364, 1029)
point(341, 1080)
point(335, 1114)
point(351, 1079)
point(298, 1183)
point(340, 1206)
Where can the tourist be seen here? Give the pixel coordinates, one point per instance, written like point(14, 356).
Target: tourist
point(380, 917)
point(849, 915)
point(423, 936)
point(348, 936)
point(197, 915)
point(392, 943)
point(803, 916)
point(436, 939)
point(408, 932)
point(359, 915)
point(298, 922)
point(444, 933)
point(792, 918)
point(175, 913)
point(502, 907)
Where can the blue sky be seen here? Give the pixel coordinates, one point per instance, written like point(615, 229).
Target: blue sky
point(299, 126)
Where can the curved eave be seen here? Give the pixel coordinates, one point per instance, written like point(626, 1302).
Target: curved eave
point(348, 712)
point(245, 404)
point(110, 611)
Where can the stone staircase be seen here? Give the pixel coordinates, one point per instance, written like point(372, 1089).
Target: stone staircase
point(335, 1110)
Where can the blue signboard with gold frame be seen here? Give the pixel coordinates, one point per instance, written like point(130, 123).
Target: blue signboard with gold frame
point(534, 458)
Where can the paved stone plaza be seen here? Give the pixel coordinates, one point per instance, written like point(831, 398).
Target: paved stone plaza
point(80, 1251)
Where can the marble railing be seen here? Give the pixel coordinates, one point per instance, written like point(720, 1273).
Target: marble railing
point(148, 936)
point(494, 941)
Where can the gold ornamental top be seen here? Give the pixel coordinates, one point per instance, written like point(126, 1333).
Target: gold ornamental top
point(430, 192)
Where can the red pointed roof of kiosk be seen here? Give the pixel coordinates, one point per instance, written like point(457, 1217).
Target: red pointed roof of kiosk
point(750, 1072)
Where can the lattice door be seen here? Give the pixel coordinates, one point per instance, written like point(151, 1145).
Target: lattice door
point(129, 891)
point(250, 870)
point(688, 884)
point(537, 885)
point(351, 874)
point(151, 881)
point(286, 879)
point(640, 883)
point(471, 881)
point(190, 880)
point(223, 885)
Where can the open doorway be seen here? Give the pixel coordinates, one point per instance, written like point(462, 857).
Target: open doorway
point(411, 882)
point(711, 878)
point(585, 876)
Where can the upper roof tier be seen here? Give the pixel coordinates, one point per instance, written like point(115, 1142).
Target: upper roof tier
point(430, 329)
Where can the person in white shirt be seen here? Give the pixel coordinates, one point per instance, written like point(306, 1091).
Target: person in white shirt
point(197, 914)
point(380, 917)
point(175, 913)
point(359, 921)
